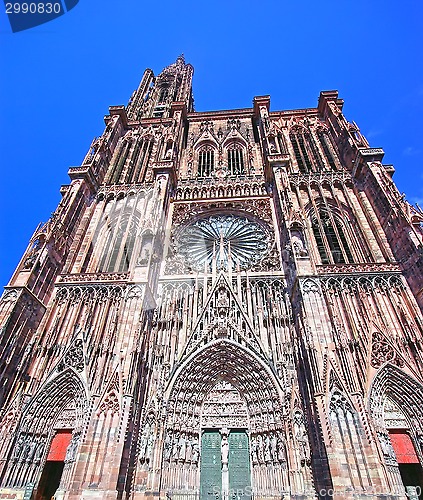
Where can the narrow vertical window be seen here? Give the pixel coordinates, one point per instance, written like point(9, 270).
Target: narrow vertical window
point(324, 142)
point(119, 246)
point(331, 241)
point(305, 150)
point(236, 160)
point(164, 92)
point(206, 162)
point(141, 160)
point(298, 153)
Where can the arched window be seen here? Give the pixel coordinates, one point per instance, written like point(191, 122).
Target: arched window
point(164, 92)
point(205, 161)
point(330, 239)
point(236, 159)
point(305, 150)
point(326, 146)
point(281, 143)
point(119, 245)
point(140, 160)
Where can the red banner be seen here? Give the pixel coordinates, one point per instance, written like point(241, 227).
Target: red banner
point(59, 445)
point(404, 448)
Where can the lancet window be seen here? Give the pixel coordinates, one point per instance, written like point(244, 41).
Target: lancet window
point(140, 160)
point(205, 161)
point(164, 92)
point(305, 150)
point(327, 148)
point(330, 239)
point(118, 246)
point(236, 160)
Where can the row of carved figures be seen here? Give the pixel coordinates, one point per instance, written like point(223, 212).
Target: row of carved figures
point(181, 447)
point(220, 191)
point(268, 448)
point(30, 448)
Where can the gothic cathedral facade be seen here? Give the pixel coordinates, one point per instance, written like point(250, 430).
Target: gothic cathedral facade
point(224, 306)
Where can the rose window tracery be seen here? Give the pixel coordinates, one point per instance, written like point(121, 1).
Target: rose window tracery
point(230, 240)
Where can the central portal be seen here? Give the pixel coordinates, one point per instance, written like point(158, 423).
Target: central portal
point(225, 455)
point(225, 465)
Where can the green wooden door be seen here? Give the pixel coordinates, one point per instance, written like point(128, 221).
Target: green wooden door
point(211, 469)
point(239, 466)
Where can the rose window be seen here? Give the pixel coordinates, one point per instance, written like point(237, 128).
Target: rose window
point(229, 240)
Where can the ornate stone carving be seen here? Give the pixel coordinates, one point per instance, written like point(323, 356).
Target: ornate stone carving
point(222, 318)
point(301, 437)
point(181, 447)
point(384, 281)
point(224, 407)
point(244, 187)
point(268, 448)
point(225, 240)
point(73, 358)
point(147, 441)
point(382, 352)
point(260, 209)
point(110, 404)
point(357, 268)
point(93, 292)
point(93, 277)
point(387, 448)
point(320, 178)
point(72, 448)
point(29, 448)
point(310, 286)
point(10, 295)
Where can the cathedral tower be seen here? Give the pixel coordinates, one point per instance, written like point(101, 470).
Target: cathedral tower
point(224, 305)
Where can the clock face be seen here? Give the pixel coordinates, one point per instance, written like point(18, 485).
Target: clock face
point(232, 240)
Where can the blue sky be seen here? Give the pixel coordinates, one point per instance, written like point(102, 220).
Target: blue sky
point(57, 81)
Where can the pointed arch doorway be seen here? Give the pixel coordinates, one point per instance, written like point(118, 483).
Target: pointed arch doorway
point(225, 453)
point(223, 390)
point(54, 465)
point(396, 406)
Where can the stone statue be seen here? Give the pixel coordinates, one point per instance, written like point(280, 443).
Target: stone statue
point(145, 255)
point(25, 449)
point(387, 448)
point(225, 449)
point(222, 300)
point(188, 456)
point(195, 451)
point(302, 439)
point(274, 447)
point(254, 450)
point(175, 449)
point(40, 450)
point(32, 449)
point(281, 449)
point(267, 455)
point(18, 448)
point(149, 450)
point(168, 446)
point(260, 449)
point(182, 445)
point(71, 450)
point(143, 444)
point(298, 244)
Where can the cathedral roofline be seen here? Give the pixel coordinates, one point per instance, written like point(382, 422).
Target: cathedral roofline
point(231, 112)
point(250, 111)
